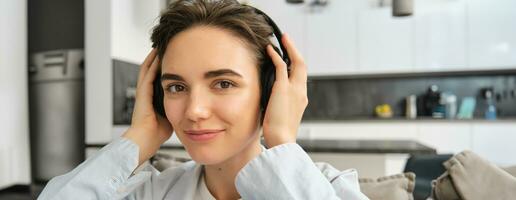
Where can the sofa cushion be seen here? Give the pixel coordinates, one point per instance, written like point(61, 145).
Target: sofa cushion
point(394, 187)
point(511, 170)
point(442, 188)
point(470, 177)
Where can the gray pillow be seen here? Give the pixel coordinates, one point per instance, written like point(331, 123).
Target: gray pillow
point(394, 187)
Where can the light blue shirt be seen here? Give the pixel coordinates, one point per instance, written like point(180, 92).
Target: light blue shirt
point(282, 172)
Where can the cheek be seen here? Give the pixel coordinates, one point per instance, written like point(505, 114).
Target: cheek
point(238, 108)
point(174, 109)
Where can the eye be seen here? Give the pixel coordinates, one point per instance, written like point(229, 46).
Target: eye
point(175, 88)
point(224, 84)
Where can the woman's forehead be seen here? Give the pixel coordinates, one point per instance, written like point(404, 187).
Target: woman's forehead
point(201, 49)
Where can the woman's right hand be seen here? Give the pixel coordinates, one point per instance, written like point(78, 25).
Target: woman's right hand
point(148, 130)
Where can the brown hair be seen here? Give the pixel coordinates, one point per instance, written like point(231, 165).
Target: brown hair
point(230, 15)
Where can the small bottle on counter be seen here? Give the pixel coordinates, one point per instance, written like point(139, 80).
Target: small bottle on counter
point(490, 112)
point(450, 105)
point(410, 107)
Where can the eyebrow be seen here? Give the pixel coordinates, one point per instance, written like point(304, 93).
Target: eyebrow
point(207, 75)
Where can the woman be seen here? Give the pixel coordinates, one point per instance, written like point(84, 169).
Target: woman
point(209, 57)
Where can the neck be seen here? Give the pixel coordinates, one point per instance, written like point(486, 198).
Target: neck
point(220, 178)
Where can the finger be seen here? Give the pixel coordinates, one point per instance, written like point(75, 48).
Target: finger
point(279, 64)
point(298, 68)
point(147, 81)
point(151, 73)
point(292, 51)
point(145, 65)
point(299, 74)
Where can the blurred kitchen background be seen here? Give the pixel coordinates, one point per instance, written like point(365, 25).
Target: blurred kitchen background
point(388, 79)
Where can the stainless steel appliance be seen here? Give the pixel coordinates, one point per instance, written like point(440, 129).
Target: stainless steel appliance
point(56, 98)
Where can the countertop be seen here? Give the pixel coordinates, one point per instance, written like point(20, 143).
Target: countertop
point(365, 146)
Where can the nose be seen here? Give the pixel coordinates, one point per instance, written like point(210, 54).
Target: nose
point(197, 106)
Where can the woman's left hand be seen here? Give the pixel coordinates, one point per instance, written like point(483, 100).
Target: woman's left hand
point(288, 98)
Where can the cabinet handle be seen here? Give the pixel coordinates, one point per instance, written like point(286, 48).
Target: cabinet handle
point(319, 3)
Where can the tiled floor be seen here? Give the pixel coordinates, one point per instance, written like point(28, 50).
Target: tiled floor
point(21, 192)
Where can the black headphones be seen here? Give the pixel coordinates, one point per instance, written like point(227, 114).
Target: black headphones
point(267, 73)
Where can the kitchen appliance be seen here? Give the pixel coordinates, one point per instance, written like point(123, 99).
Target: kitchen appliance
point(56, 103)
point(431, 105)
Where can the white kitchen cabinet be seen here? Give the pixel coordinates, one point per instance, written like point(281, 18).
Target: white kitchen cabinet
point(331, 38)
point(439, 42)
point(362, 36)
point(15, 162)
point(359, 130)
point(491, 34)
point(446, 138)
point(98, 71)
point(495, 142)
point(385, 43)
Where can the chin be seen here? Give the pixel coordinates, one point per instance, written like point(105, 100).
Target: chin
point(205, 156)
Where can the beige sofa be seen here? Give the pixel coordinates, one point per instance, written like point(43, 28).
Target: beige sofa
point(468, 177)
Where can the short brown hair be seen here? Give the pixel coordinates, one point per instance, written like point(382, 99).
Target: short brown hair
point(230, 15)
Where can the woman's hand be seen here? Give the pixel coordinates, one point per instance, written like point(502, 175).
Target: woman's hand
point(148, 130)
point(288, 97)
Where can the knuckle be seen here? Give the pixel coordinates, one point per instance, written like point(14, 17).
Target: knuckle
point(304, 100)
point(281, 64)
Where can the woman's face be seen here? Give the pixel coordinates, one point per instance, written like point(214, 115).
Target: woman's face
point(211, 82)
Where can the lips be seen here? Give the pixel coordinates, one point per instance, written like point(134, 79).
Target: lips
point(203, 131)
point(202, 135)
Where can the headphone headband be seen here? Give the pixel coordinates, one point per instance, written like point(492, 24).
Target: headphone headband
point(277, 34)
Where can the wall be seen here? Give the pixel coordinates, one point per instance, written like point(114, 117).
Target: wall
point(132, 22)
point(14, 142)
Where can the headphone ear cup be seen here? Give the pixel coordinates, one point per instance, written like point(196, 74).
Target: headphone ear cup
point(157, 99)
point(267, 76)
